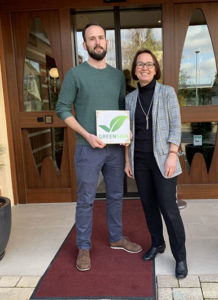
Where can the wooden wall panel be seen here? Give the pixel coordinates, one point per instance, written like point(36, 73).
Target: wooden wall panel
point(49, 195)
point(168, 44)
point(199, 113)
point(11, 98)
point(198, 183)
point(42, 174)
point(210, 11)
point(30, 119)
point(213, 172)
point(197, 191)
point(68, 53)
point(24, 5)
point(198, 172)
point(184, 177)
point(67, 164)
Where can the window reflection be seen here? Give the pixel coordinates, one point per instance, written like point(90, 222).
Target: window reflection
point(40, 87)
point(83, 54)
point(106, 19)
point(46, 142)
point(142, 30)
point(198, 74)
point(32, 85)
point(198, 137)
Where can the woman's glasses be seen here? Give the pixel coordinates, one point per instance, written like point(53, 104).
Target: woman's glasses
point(148, 64)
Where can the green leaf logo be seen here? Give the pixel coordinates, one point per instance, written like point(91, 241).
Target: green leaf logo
point(105, 128)
point(115, 124)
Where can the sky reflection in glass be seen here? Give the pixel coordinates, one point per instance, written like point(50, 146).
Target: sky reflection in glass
point(197, 66)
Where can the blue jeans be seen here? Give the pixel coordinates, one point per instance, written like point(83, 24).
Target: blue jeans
point(89, 162)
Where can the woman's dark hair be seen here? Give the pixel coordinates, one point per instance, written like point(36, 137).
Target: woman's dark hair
point(91, 24)
point(156, 64)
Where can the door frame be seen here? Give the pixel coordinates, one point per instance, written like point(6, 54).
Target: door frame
point(198, 183)
point(15, 116)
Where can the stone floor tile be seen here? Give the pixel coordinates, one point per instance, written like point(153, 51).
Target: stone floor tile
point(210, 289)
point(28, 281)
point(167, 281)
point(15, 293)
point(187, 294)
point(190, 281)
point(9, 281)
point(164, 294)
point(208, 278)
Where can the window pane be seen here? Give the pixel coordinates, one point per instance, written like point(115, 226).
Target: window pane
point(46, 142)
point(198, 73)
point(199, 137)
point(41, 79)
point(139, 29)
point(106, 19)
point(83, 54)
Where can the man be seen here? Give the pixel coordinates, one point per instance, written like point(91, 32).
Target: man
point(92, 86)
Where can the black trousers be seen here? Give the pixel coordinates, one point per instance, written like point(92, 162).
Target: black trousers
point(158, 196)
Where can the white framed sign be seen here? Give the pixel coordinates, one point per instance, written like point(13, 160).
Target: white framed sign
point(113, 126)
point(197, 140)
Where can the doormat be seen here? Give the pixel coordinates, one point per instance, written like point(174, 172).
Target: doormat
point(115, 274)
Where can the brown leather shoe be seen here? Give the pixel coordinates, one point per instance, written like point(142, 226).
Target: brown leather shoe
point(83, 262)
point(127, 245)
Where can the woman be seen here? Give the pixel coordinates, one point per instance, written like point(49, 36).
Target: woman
point(152, 157)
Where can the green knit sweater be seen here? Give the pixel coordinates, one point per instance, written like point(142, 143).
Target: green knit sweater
point(90, 89)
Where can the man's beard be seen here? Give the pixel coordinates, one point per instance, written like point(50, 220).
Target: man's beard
point(95, 55)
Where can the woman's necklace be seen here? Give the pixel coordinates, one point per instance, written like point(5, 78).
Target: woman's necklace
point(146, 115)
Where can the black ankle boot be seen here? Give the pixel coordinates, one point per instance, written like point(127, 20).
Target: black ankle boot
point(181, 269)
point(153, 251)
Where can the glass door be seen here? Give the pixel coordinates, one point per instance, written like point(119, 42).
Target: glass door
point(127, 31)
point(106, 19)
point(139, 28)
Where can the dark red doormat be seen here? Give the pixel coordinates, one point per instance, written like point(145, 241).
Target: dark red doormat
point(115, 274)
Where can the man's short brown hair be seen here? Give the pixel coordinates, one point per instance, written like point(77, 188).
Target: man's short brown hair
point(91, 24)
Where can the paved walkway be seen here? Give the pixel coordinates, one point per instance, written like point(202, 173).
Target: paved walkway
point(17, 287)
point(47, 225)
point(194, 287)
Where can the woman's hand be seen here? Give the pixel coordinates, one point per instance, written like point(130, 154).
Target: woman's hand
point(170, 165)
point(127, 144)
point(128, 170)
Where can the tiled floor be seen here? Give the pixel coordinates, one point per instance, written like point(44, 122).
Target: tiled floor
point(17, 287)
point(193, 287)
point(39, 230)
